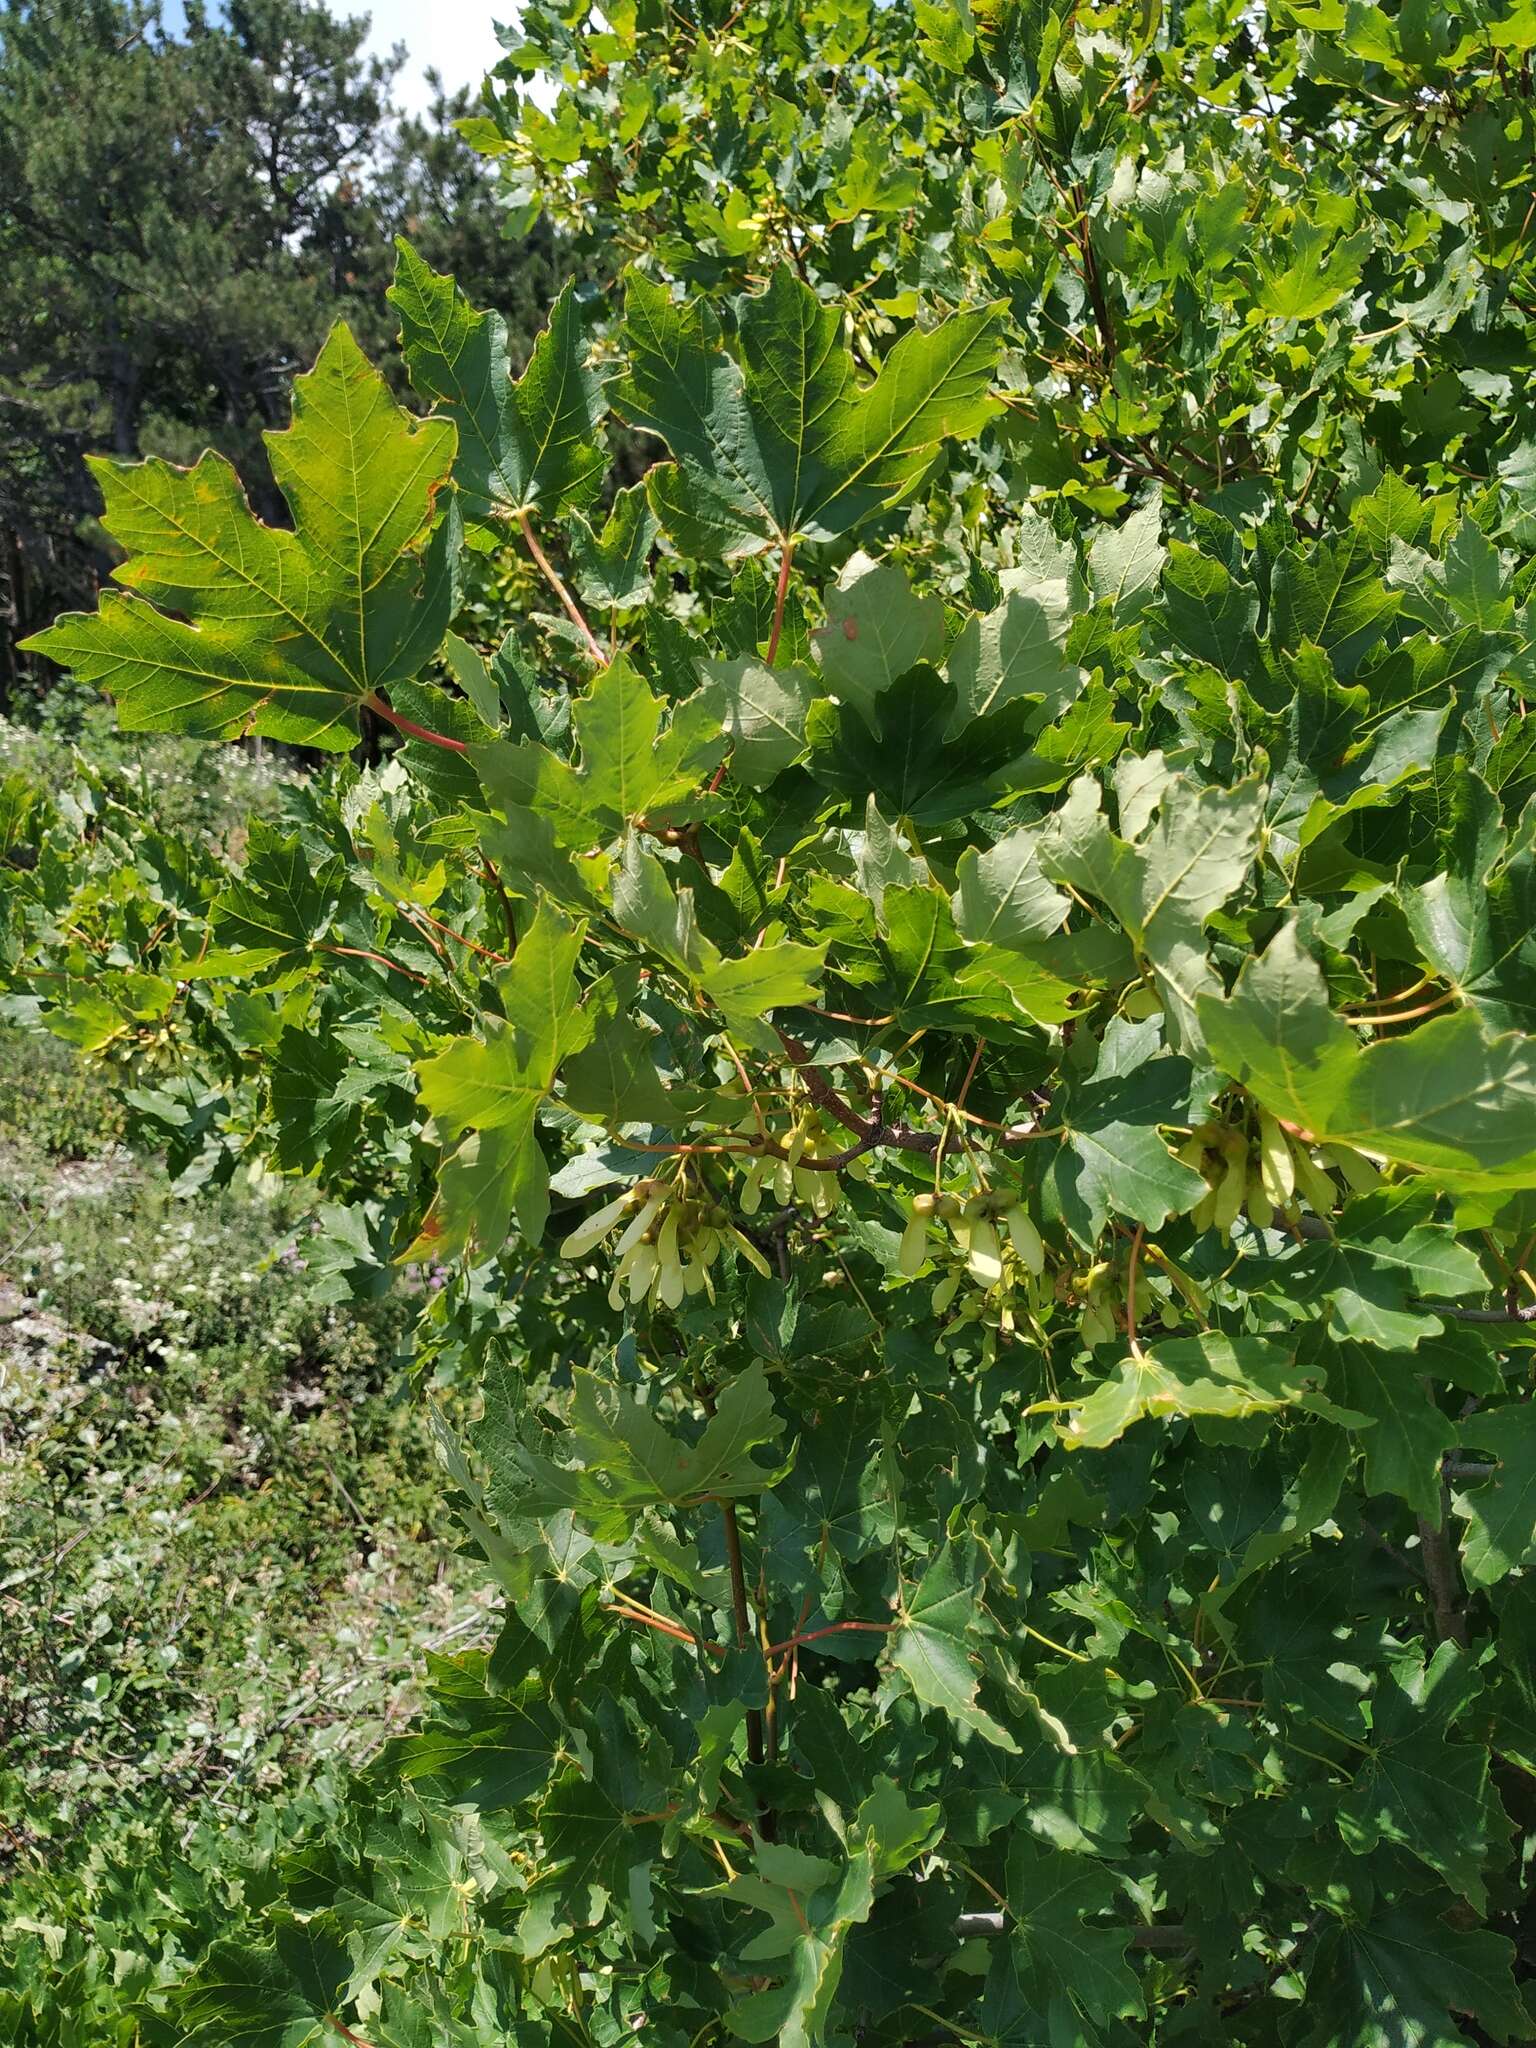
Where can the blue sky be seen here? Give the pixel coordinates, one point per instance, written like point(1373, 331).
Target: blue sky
point(457, 37)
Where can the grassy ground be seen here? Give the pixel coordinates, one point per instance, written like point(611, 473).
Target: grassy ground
point(222, 1546)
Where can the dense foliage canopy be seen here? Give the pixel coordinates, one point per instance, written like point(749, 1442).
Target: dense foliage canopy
point(960, 1006)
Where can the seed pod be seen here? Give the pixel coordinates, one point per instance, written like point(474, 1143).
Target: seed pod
point(638, 1225)
point(1360, 1172)
point(1261, 1210)
point(596, 1227)
point(1233, 1184)
point(1026, 1239)
point(640, 1271)
point(912, 1256)
point(924, 1204)
point(1312, 1182)
point(1204, 1210)
point(1096, 1325)
point(1275, 1161)
point(1192, 1152)
point(945, 1292)
point(947, 1208)
point(984, 1258)
point(751, 1254)
point(671, 1283)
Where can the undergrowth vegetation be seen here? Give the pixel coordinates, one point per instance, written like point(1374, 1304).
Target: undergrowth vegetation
point(222, 1543)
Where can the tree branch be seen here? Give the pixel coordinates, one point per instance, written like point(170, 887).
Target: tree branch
point(1441, 1575)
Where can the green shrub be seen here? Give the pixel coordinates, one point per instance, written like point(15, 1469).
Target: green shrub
point(954, 1019)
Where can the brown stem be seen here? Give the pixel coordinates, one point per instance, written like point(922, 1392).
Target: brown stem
point(375, 703)
point(459, 938)
point(379, 959)
point(778, 600)
point(870, 1131)
point(1443, 1579)
point(970, 1073)
point(552, 577)
point(743, 1619)
point(835, 1628)
point(1102, 318)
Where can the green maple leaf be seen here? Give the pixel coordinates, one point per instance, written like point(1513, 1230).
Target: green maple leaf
point(1014, 654)
point(785, 442)
point(280, 1996)
point(631, 766)
point(615, 1079)
point(496, 1085)
point(279, 909)
point(774, 973)
point(591, 1844)
point(315, 1109)
point(1162, 881)
point(935, 1644)
point(1003, 896)
point(1475, 921)
point(1114, 1158)
point(877, 629)
point(905, 759)
point(521, 445)
point(1420, 1790)
point(1333, 598)
point(1397, 1977)
point(406, 1895)
point(1204, 1375)
point(764, 711)
point(283, 634)
point(494, 1749)
point(1126, 561)
point(1500, 1513)
point(1444, 1098)
point(931, 978)
point(1383, 1257)
point(1408, 1435)
point(613, 566)
point(813, 1907)
point(1319, 268)
point(1054, 1972)
point(619, 1459)
point(1210, 614)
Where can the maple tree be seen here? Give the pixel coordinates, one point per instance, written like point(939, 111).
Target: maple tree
point(960, 1004)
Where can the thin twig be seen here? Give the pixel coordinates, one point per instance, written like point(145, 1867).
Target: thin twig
point(743, 1620)
point(552, 576)
point(1441, 1575)
point(832, 1629)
